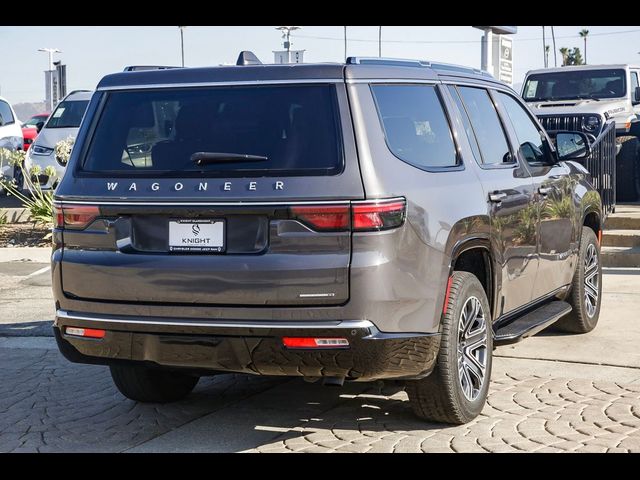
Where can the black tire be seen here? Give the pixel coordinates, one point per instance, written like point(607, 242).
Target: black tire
point(581, 320)
point(440, 397)
point(152, 385)
point(627, 170)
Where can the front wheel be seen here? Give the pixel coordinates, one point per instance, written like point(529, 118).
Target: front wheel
point(456, 390)
point(153, 385)
point(586, 287)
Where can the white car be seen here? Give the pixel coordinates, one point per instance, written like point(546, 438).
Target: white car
point(10, 136)
point(62, 124)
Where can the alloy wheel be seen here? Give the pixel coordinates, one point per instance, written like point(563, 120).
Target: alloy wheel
point(591, 280)
point(472, 348)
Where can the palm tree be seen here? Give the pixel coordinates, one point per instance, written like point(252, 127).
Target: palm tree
point(544, 48)
point(564, 51)
point(553, 36)
point(546, 55)
point(583, 33)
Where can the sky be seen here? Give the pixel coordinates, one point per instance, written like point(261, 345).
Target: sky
point(92, 52)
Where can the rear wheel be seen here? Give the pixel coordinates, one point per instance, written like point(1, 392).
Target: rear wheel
point(144, 384)
point(456, 390)
point(586, 287)
point(627, 169)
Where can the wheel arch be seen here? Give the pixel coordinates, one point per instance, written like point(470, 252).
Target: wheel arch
point(474, 255)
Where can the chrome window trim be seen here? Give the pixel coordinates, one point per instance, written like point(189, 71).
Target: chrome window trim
point(226, 204)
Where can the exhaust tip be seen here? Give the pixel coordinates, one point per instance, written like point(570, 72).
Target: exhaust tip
point(333, 381)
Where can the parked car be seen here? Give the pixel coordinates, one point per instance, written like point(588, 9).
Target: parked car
point(62, 124)
point(379, 220)
point(32, 127)
point(10, 138)
point(584, 98)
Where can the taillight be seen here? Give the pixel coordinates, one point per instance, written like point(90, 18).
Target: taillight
point(323, 217)
point(74, 216)
point(378, 215)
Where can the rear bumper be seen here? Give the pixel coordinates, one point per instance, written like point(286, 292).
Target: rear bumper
point(249, 347)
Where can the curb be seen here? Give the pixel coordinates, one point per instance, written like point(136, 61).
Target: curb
point(16, 215)
point(28, 254)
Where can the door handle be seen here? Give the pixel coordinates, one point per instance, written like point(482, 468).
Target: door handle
point(544, 191)
point(497, 197)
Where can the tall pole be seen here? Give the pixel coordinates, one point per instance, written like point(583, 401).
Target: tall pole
point(555, 54)
point(345, 43)
point(544, 48)
point(182, 43)
point(380, 41)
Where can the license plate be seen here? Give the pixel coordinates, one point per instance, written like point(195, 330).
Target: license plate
point(196, 236)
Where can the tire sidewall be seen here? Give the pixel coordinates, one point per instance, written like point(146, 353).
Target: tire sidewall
point(471, 287)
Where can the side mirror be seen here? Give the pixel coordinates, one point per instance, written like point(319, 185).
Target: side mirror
point(636, 96)
point(39, 126)
point(572, 146)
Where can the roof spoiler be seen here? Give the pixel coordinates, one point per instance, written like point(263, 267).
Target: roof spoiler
point(248, 58)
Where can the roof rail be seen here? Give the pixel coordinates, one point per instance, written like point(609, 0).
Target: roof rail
point(138, 68)
point(403, 62)
point(458, 68)
point(397, 62)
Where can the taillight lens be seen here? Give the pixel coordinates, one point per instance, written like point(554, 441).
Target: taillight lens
point(74, 216)
point(330, 218)
point(378, 215)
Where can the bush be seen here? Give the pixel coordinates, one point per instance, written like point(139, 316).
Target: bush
point(39, 204)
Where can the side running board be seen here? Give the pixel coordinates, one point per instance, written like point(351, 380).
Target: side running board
point(531, 323)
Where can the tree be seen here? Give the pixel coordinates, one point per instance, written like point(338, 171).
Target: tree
point(564, 51)
point(546, 55)
point(584, 33)
point(575, 57)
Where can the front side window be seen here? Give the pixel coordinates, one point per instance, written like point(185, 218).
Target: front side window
point(575, 84)
point(219, 131)
point(68, 114)
point(486, 126)
point(415, 125)
point(6, 117)
point(531, 145)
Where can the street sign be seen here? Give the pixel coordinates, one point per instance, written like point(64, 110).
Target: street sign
point(503, 58)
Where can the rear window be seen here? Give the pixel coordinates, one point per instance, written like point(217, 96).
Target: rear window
point(68, 114)
point(287, 130)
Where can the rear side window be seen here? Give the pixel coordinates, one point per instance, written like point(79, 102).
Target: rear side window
point(68, 114)
point(6, 117)
point(293, 129)
point(486, 126)
point(415, 125)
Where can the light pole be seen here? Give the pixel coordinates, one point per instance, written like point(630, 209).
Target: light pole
point(182, 43)
point(49, 77)
point(286, 34)
point(379, 41)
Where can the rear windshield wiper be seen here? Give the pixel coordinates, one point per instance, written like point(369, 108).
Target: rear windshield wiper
point(206, 158)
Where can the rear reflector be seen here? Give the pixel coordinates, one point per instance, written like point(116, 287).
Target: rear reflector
point(74, 216)
point(84, 332)
point(313, 342)
point(323, 217)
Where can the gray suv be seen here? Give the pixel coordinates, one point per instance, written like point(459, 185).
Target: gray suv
point(374, 220)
